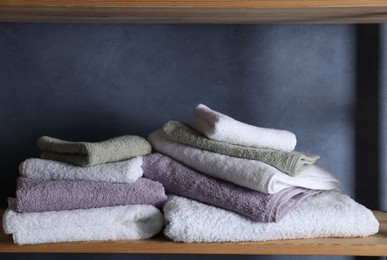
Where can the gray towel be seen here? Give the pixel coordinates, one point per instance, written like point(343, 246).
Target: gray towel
point(291, 163)
point(39, 196)
point(183, 181)
point(88, 154)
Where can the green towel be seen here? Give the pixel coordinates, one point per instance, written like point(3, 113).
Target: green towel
point(88, 154)
point(291, 163)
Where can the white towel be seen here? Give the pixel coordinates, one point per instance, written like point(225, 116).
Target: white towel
point(124, 171)
point(109, 223)
point(223, 128)
point(328, 214)
point(250, 174)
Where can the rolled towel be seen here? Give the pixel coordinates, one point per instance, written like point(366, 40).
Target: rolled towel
point(108, 223)
point(291, 163)
point(39, 169)
point(327, 214)
point(251, 174)
point(89, 154)
point(38, 196)
point(220, 127)
point(180, 180)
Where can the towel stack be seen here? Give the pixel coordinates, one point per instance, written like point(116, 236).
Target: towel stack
point(236, 182)
point(84, 191)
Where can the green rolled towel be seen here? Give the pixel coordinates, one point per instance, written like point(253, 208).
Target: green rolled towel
point(291, 163)
point(89, 154)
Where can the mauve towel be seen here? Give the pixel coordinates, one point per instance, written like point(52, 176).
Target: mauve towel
point(93, 153)
point(183, 181)
point(39, 196)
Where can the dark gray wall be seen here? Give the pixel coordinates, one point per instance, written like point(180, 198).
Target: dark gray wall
point(92, 82)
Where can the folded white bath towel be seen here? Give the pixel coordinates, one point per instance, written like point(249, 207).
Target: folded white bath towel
point(328, 214)
point(40, 169)
point(109, 223)
point(251, 174)
point(223, 128)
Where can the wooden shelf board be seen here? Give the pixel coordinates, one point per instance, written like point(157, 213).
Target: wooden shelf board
point(372, 246)
point(193, 11)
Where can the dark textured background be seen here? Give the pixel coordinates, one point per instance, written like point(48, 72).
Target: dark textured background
point(92, 82)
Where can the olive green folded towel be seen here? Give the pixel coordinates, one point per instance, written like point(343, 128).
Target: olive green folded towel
point(290, 163)
point(88, 154)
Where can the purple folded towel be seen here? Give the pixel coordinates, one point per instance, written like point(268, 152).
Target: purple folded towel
point(183, 181)
point(38, 196)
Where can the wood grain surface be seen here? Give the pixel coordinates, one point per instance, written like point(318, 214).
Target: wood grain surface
point(189, 11)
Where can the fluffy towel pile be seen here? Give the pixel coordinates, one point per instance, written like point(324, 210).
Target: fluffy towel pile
point(220, 127)
point(327, 214)
point(40, 169)
point(88, 154)
point(257, 191)
point(108, 223)
point(291, 163)
point(251, 174)
point(65, 200)
point(180, 180)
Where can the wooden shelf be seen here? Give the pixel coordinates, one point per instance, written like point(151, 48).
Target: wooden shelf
point(372, 246)
point(193, 11)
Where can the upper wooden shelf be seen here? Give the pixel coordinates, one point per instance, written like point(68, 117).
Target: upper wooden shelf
point(369, 246)
point(194, 11)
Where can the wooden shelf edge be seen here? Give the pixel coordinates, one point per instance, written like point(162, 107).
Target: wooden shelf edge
point(369, 246)
point(190, 11)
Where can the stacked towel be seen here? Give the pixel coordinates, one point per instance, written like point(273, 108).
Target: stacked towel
point(40, 196)
point(220, 127)
point(88, 179)
point(250, 174)
point(88, 154)
point(327, 214)
point(291, 163)
point(108, 223)
point(40, 169)
point(180, 180)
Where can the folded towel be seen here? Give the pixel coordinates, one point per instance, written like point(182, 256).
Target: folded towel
point(291, 163)
point(327, 214)
point(38, 196)
point(88, 154)
point(220, 127)
point(109, 223)
point(251, 174)
point(180, 180)
point(40, 169)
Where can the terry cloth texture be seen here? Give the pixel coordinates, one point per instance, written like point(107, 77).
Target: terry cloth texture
point(327, 214)
point(251, 174)
point(38, 196)
point(223, 128)
point(88, 154)
point(291, 163)
point(109, 223)
point(180, 180)
point(39, 169)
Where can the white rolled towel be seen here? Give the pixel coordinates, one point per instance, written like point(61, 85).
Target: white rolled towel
point(40, 169)
point(327, 214)
point(109, 223)
point(247, 173)
point(220, 127)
